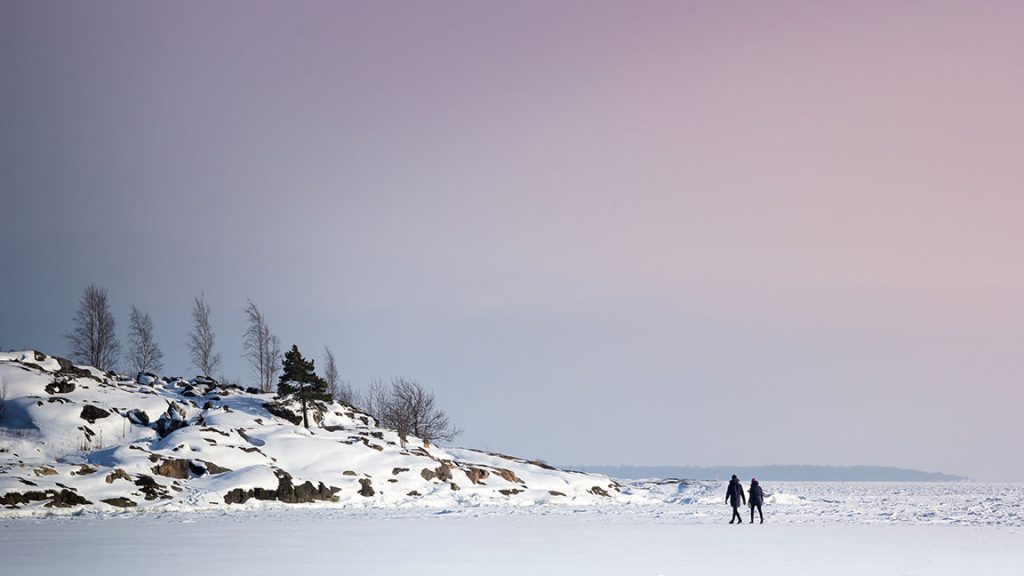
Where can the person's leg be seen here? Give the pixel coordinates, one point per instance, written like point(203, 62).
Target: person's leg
point(759, 513)
point(751, 514)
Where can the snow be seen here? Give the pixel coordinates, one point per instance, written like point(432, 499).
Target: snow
point(523, 541)
point(491, 513)
point(203, 442)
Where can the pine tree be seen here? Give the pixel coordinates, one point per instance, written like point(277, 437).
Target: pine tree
point(299, 380)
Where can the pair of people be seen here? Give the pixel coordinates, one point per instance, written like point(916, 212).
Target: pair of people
point(734, 495)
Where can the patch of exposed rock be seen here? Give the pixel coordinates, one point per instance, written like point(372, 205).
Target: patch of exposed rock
point(285, 492)
point(92, 413)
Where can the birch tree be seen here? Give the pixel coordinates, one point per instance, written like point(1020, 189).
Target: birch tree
point(93, 340)
point(201, 339)
point(339, 389)
point(144, 355)
point(262, 349)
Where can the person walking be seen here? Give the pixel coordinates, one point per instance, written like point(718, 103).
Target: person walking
point(756, 499)
point(733, 495)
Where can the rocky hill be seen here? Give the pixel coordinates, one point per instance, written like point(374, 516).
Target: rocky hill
point(73, 437)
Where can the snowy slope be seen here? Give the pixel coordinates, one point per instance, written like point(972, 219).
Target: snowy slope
point(74, 437)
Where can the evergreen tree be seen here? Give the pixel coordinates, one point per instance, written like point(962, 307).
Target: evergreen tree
point(299, 380)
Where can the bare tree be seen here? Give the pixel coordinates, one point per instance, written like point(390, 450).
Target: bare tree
point(92, 339)
point(262, 348)
point(340, 390)
point(376, 399)
point(144, 354)
point(201, 339)
point(410, 409)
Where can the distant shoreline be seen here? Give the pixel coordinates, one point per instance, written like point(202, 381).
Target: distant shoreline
point(796, 473)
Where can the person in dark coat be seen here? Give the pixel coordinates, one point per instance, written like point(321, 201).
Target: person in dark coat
point(756, 499)
point(733, 495)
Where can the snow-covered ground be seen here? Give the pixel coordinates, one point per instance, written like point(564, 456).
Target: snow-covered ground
point(954, 503)
point(104, 475)
point(620, 540)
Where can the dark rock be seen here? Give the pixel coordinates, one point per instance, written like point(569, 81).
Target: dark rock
point(84, 469)
point(555, 493)
point(444, 472)
point(427, 474)
point(508, 475)
point(367, 488)
point(397, 471)
point(92, 413)
point(171, 420)
point(454, 486)
point(477, 475)
point(17, 498)
point(509, 491)
point(60, 385)
point(63, 499)
point(414, 493)
point(285, 492)
point(598, 491)
point(237, 496)
point(138, 417)
point(252, 390)
point(151, 488)
point(117, 473)
point(66, 499)
point(200, 467)
point(70, 370)
point(120, 502)
point(349, 473)
point(283, 412)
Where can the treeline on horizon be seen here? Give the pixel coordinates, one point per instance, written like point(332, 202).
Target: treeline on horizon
point(777, 472)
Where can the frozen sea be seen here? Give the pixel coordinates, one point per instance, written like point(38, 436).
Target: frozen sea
point(810, 528)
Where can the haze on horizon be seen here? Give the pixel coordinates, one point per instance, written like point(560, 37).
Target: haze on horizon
point(603, 232)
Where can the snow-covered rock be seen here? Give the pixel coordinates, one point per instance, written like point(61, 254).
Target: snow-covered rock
point(73, 437)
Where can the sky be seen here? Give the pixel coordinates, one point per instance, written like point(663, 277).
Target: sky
point(646, 232)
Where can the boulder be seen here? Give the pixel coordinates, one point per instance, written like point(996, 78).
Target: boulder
point(120, 502)
point(477, 475)
point(367, 487)
point(60, 385)
point(117, 473)
point(66, 499)
point(138, 417)
point(171, 420)
point(173, 468)
point(92, 413)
